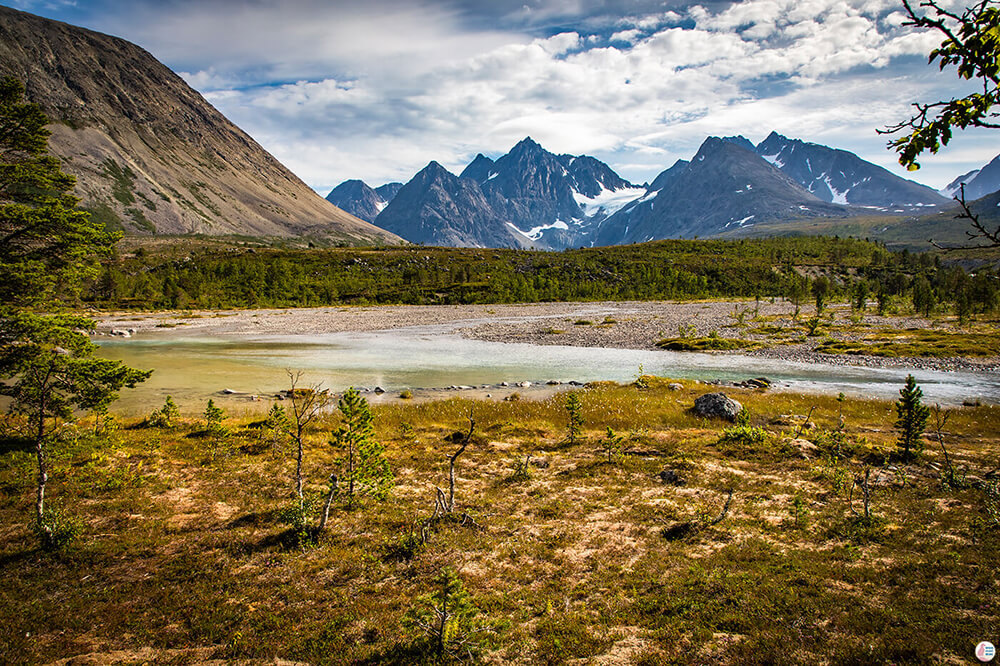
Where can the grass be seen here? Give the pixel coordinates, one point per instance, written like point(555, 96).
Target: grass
point(184, 559)
point(707, 343)
point(913, 342)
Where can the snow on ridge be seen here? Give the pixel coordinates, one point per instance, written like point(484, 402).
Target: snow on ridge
point(838, 197)
point(536, 232)
point(611, 201)
point(953, 189)
point(380, 206)
point(493, 175)
point(774, 159)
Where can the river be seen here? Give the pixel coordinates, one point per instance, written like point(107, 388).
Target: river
point(193, 369)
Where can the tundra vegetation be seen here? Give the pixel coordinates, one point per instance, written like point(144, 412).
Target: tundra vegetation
point(803, 533)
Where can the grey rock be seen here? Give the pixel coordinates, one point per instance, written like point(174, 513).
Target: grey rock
point(717, 405)
point(675, 387)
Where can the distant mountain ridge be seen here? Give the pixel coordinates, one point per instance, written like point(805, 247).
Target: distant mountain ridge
point(724, 185)
point(554, 201)
point(438, 208)
point(526, 198)
point(149, 153)
point(978, 183)
point(841, 177)
point(362, 201)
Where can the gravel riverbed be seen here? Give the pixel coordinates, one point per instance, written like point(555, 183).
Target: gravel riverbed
point(625, 325)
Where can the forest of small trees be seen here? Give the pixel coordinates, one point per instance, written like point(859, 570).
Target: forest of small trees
point(853, 270)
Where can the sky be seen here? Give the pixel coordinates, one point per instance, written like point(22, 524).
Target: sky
point(375, 89)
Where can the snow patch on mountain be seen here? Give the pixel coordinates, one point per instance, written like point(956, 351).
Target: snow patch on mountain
point(536, 232)
point(774, 159)
point(610, 201)
point(741, 223)
point(838, 197)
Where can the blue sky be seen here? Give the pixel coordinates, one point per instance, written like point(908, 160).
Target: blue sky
point(374, 89)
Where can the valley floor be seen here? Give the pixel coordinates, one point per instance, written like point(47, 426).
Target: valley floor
point(761, 328)
point(693, 544)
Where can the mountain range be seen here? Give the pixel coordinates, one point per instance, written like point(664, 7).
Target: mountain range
point(149, 153)
point(531, 197)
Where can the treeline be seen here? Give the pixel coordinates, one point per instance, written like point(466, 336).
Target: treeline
point(676, 269)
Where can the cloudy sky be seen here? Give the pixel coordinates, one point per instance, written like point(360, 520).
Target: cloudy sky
point(374, 89)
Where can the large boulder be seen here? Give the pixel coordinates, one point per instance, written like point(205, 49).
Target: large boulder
point(717, 405)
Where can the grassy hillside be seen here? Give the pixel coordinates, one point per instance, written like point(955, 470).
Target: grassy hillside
point(183, 554)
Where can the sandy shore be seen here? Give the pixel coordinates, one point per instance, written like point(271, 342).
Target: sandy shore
point(627, 325)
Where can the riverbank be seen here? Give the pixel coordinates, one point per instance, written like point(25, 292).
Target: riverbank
point(615, 325)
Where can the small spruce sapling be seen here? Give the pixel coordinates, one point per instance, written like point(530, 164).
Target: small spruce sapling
point(215, 420)
point(574, 428)
point(216, 429)
point(447, 618)
point(912, 418)
point(366, 468)
point(274, 431)
point(363, 467)
point(166, 416)
point(613, 445)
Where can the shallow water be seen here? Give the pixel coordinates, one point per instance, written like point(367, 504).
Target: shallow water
point(192, 369)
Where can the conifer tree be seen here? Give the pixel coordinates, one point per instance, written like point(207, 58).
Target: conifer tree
point(574, 427)
point(912, 417)
point(47, 247)
point(364, 468)
point(447, 617)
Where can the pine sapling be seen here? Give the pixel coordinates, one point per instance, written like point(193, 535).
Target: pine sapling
point(363, 466)
point(613, 445)
point(574, 428)
point(912, 418)
point(447, 618)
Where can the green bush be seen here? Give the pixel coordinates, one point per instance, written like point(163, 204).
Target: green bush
point(57, 529)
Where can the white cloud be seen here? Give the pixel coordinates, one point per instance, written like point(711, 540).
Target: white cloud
point(627, 36)
point(344, 91)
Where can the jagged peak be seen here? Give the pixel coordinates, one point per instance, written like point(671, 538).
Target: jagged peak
point(435, 169)
point(527, 145)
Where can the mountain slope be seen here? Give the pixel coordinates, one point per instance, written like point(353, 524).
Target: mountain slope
point(149, 153)
point(724, 186)
point(438, 208)
point(839, 176)
point(981, 182)
point(360, 200)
